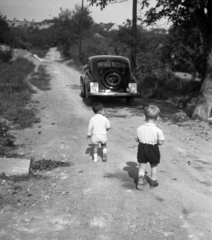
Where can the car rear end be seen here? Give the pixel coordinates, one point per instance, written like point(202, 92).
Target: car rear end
point(112, 77)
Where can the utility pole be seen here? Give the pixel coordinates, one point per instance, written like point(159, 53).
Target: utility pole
point(134, 35)
point(80, 31)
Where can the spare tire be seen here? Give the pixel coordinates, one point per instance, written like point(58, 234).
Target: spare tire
point(112, 79)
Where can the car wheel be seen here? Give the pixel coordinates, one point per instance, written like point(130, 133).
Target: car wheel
point(88, 99)
point(112, 79)
point(129, 100)
point(82, 91)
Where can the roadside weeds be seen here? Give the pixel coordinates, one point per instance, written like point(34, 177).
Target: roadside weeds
point(16, 112)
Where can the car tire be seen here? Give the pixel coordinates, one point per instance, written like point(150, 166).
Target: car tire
point(82, 88)
point(82, 93)
point(129, 100)
point(112, 79)
point(88, 99)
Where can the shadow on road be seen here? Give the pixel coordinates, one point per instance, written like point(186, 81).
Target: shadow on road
point(90, 148)
point(132, 169)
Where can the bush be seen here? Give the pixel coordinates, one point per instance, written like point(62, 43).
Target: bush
point(6, 139)
point(5, 56)
point(165, 85)
point(40, 53)
point(15, 92)
point(13, 76)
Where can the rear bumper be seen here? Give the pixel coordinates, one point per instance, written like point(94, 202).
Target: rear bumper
point(113, 94)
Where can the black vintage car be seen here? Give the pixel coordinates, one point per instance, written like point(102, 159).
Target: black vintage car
point(108, 75)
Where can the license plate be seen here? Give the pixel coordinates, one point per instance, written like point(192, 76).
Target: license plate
point(94, 86)
point(133, 87)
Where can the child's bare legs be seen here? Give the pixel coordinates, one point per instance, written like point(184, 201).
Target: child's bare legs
point(141, 176)
point(95, 152)
point(142, 170)
point(104, 151)
point(154, 171)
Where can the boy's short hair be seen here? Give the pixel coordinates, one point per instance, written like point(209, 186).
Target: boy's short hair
point(97, 107)
point(151, 112)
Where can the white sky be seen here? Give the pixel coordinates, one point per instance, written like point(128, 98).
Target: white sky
point(46, 9)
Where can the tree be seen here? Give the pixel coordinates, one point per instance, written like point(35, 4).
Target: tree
point(153, 55)
point(204, 105)
point(186, 50)
point(4, 30)
point(68, 25)
point(103, 3)
point(199, 13)
point(83, 20)
point(122, 42)
point(181, 12)
point(85, 23)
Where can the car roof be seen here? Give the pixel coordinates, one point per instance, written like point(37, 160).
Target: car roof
point(97, 58)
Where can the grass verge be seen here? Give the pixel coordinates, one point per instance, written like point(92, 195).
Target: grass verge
point(6, 140)
point(15, 92)
point(15, 96)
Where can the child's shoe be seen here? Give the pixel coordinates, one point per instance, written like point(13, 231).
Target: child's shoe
point(140, 184)
point(154, 183)
point(104, 159)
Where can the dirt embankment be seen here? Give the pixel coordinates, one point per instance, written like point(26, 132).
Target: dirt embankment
point(99, 201)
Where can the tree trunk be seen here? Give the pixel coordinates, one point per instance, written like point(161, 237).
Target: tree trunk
point(134, 36)
point(80, 32)
point(204, 100)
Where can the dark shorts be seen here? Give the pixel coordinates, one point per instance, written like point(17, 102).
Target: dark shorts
point(148, 153)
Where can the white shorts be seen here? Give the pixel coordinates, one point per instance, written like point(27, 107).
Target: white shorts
point(96, 139)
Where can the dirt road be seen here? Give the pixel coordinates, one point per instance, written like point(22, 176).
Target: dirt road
point(99, 201)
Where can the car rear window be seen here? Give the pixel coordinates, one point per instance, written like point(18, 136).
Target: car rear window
point(114, 64)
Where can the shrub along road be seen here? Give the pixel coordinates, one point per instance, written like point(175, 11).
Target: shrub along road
point(87, 200)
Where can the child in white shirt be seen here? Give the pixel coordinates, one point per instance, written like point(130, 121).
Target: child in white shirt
point(97, 130)
point(149, 137)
